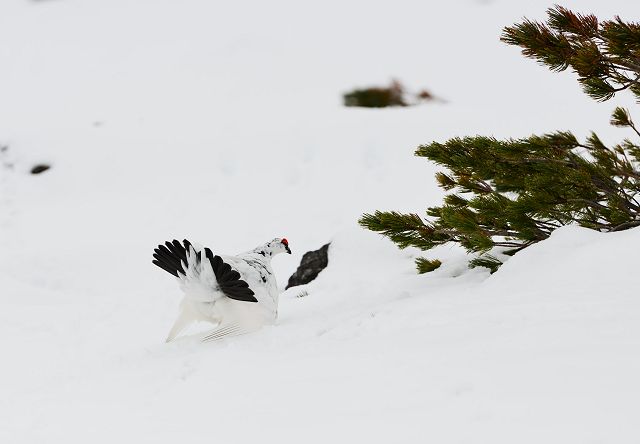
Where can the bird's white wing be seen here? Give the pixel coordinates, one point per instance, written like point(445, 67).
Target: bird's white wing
point(224, 331)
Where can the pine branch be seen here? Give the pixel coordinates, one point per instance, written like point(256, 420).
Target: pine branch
point(626, 225)
point(510, 194)
point(598, 52)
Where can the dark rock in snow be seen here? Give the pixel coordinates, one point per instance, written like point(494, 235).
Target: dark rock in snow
point(4, 158)
point(312, 263)
point(40, 168)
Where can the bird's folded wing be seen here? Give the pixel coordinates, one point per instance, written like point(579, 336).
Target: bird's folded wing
point(229, 279)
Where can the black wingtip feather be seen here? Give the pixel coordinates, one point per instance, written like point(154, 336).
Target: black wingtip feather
point(229, 279)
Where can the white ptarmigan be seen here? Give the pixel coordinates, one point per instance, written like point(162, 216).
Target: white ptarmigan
point(238, 293)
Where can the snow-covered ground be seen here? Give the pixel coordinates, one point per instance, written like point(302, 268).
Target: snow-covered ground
point(223, 123)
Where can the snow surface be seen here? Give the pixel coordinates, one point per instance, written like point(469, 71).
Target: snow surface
point(222, 123)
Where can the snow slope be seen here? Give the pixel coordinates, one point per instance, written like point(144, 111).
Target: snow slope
point(222, 123)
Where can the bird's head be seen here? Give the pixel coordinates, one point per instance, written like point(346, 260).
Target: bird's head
point(282, 244)
point(274, 247)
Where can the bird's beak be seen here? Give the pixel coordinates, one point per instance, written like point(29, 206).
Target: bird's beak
point(288, 250)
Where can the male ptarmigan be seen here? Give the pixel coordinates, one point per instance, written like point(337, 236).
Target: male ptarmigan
point(238, 293)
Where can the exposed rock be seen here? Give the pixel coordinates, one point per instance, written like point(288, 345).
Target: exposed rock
point(40, 168)
point(4, 157)
point(312, 263)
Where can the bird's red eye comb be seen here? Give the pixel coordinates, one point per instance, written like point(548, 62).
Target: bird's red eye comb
point(286, 242)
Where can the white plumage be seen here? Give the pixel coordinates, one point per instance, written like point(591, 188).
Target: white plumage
point(237, 293)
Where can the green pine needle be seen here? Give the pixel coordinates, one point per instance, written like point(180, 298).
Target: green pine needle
point(620, 117)
point(425, 265)
point(486, 261)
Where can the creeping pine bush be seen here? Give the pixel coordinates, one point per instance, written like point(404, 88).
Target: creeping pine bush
point(377, 97)
point(505, 195)
point(382, 97)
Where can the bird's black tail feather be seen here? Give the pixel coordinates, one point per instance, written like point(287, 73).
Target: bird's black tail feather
point(172, 257)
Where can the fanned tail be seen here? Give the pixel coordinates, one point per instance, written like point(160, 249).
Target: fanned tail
point(182, 261)
point(172, 257)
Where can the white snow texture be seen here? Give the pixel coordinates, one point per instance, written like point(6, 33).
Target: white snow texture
point(222, 122)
